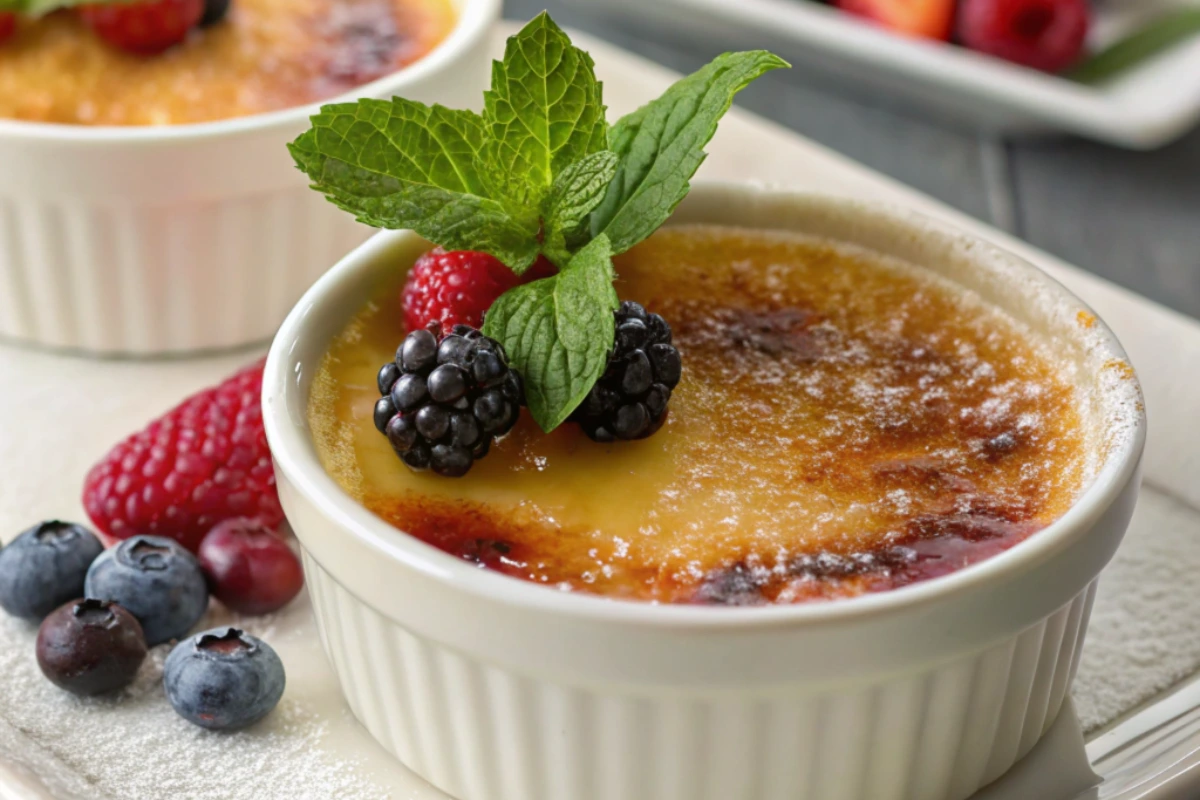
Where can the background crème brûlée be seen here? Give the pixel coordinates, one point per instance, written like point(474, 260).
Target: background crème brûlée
point(845, 423)
point(266, 55)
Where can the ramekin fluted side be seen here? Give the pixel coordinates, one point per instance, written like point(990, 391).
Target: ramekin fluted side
point(121, 279)
point(483, 731)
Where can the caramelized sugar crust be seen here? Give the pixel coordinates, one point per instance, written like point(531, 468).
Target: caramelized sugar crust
point(267, 55)
point(845, 424)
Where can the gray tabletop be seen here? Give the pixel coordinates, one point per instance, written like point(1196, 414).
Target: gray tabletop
point(1131, 217)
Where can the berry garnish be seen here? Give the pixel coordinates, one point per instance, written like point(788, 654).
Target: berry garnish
point(455, 288)
point(539, 174)
point(90, 647)
point(8, 26)
point(630, 399)
point(45, 567)
point(214, 12)
point(156, 580)
point(203, 462)
point(144, 27)
point(250, 569)
point(1044, 34)
point(223, 679)
point(446, 399)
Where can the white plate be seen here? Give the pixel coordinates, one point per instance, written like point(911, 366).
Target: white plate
point(49, 742)
point(1148, 107)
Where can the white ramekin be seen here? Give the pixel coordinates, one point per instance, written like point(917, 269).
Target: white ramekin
point(496, 689)
point(157, 240)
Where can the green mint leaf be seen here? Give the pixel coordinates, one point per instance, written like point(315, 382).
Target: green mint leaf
point(661, 145)
point(545, 111)
point(576, 191)
point(1157, 36)
point(401, 164)
point(559, 331)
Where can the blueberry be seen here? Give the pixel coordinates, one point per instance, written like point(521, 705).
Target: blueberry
point(409, 392)
point(45, 567)
point(90, 647)
point(385, 409)
point(454, 350)
point(223, 679)
point(447, 383)
point(419, 351)
point(156, 580)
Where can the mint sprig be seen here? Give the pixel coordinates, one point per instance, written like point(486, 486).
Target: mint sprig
point(539, 172)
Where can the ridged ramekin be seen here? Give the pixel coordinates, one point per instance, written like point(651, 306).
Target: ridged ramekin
point(496, 689)
point(174, 239)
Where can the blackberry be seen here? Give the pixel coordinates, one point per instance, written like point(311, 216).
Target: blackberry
point(630, 399)
point(444, 400)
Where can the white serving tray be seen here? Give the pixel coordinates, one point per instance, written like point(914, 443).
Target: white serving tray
point(1148, 107)
point(59, 414)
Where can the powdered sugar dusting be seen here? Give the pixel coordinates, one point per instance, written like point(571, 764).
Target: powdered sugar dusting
point(133, 746)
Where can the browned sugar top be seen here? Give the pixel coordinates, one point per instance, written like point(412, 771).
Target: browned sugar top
point(265, 56)
point(845, 423)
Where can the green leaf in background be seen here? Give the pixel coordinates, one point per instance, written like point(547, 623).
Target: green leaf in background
point(576, 191)
point(401, 164)
point(544, 112)
point(1156, 37)
point(558, 332)
point(661, 145)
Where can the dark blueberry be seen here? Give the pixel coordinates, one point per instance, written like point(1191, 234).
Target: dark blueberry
point(419, 351)
point(631, 310)
point(630, 421)
point(667, 365)
point(657, 399)
point(433, 422)
point(488, 369)
point(465, 430)
point(90, 647)
point(631, 335)
point(402, 432)
point(418, 456)
point(447, 383)
point(385, 409)
point(409, 392)
point(223, 679)
point(638, 375)
point(156, 580)
point(453, 350)
point(388, 374)
point(450, 461)
point(660, 331)
point(45, 567)
point(214, 12)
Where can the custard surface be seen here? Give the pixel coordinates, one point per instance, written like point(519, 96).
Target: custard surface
point(266, 55)
point(844, 424)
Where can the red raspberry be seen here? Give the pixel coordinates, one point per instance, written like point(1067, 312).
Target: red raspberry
point(8, 26)
point(455, 288)
point(1043, 34)
point(145, 27)
point(249, 568)
point(202, 462)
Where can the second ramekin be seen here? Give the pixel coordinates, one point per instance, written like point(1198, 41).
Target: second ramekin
point(167, 240)
point(496, 689)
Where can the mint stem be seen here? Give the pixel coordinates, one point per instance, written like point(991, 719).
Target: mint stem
point(1138, 47)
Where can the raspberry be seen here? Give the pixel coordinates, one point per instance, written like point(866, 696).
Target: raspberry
point(201, 463)
point(445, 401)
point(145, 27)
point(630, 399)
point(455, 288)
point(8, 26)
point(1044, 34)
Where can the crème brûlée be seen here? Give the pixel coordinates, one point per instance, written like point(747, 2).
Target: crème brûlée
point(846, 423)
point(266, 55)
